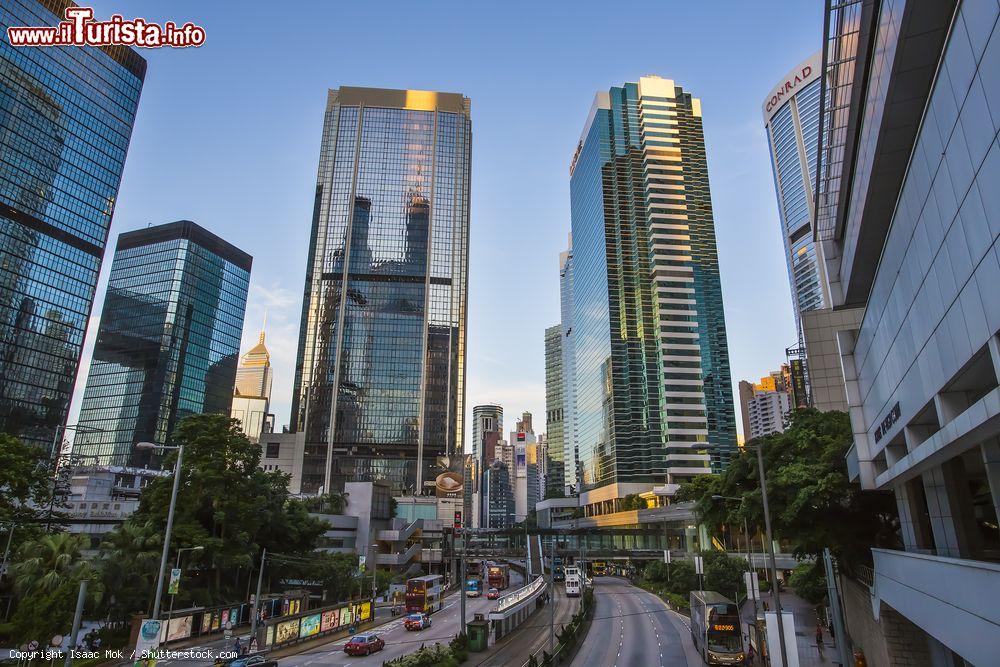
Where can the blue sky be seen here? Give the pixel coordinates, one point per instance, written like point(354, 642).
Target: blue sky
point(228, 135)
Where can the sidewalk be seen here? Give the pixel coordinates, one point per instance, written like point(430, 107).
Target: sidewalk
point(805, 628)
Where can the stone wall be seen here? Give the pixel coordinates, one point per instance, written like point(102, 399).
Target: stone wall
point(890, 641)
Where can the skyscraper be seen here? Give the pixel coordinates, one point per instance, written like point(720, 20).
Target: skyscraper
point(791, 119)
point(653, 395)
point(570, 449)
point(487, 427)
point(66, 118)
point(252, 395)
point(555, 402)
point(168, 340)
point(380, 376)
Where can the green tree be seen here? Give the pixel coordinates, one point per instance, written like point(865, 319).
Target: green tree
point(228, 506)
point(25, 484)
point(813, 503)
point(809, 582)
point(47, 573)
point(724, 573)
point(129, 563)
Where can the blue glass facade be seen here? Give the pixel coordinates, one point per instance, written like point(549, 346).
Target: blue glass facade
point(168, 341)
point(379, 383)
point(653, 401)
point(792, 123)
point(66, 117)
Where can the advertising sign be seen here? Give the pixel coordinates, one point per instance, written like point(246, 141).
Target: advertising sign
point(286, 632)
point(329, 620)
point(364, 611)
point(175, 582)
point(206, 622)
point(309, 626)
point(799, 394)
point(269, 636)
point(179, 628)
point(362, 559)
point(149, 635)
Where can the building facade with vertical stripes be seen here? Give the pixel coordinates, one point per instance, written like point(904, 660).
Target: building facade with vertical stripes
point(653, 401)
point(380, 375)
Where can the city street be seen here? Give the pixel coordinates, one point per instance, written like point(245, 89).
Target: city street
point(634, 628)
point(398, 640)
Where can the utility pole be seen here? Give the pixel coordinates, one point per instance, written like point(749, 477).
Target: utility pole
point(77, 618)
point(835, 610)
point(552, 595)
point(770, 551)
point(255, 611)
point(461, 589)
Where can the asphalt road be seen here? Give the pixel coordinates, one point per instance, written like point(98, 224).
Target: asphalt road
point(532, 635)
point(398, 640)
point(633, 628)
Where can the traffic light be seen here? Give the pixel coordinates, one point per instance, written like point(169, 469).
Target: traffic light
point(458, 518)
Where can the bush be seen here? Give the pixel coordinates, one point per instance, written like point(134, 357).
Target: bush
point(678, 602)
point(809, 582)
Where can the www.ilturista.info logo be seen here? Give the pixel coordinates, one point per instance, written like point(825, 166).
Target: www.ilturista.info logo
point(80, 29)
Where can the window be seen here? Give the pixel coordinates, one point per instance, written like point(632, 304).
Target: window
point(272, 450)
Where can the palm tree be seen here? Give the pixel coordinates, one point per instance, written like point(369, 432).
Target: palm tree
point(130, 555)
point(44, 564)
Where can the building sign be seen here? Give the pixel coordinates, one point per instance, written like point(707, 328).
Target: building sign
point(797, 369)
point(449, 485)
point(458, 519)
point(175, 582)
point(888, 422)
point(798, 78)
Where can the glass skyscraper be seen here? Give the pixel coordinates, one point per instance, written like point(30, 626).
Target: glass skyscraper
point(791, 116)
point(653, 392)
point(66, 116)
point(380, 376)
point(555, 412)
point(168, 340)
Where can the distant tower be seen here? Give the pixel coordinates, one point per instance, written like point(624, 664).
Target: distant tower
point(252, 396)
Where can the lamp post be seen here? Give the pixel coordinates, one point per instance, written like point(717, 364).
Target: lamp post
point(170, 516)
point(746, 538)
point(770, 552)
point(177, 566)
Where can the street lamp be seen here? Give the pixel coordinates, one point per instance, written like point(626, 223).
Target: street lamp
point(746, 536)
point(177, 566)
point(770, 550)
point(170, 516)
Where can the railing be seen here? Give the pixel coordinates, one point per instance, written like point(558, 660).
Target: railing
point(865, 575)
point(518, 596)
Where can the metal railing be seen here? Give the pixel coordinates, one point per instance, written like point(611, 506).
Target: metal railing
point(518, 596)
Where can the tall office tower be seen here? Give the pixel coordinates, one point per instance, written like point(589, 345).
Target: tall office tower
point(653, 394)
point(486, 420)
point(524, 472)
point(380, 376)
point(168, 340)
point(66, 118)
point(791, 120)
point(252, 395)
point(498, 498)
point(908, 212)
point(570, 449)
point(555, 404)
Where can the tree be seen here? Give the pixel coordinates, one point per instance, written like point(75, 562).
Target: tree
point(813, 503)
point(129, 564)
point(25, 484)
point(47, 573)
point(228, 506)
point(723, 573)
point(809, 582)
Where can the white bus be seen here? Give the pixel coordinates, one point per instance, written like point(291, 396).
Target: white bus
point(573, 582)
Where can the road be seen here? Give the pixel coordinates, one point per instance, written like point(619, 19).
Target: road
point(398, 640)
point(634, 628)
point(532, 635)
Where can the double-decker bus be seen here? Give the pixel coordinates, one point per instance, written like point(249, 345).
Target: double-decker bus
point(715, 628)
point(573, 583)
point(498, 575)
point(424, 594)
point(599, 568)
point(474, 568)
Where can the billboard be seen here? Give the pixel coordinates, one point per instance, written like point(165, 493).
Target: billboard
point(330, 620)
point(179, 628)
point(309, 626)
point(800, 397)
point(286, 632)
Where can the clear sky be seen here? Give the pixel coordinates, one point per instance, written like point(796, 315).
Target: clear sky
point(228, 135)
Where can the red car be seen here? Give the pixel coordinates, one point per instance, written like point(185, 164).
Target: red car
point(492, 594)
point(365, 644)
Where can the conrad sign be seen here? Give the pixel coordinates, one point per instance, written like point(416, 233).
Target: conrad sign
point(792, 83)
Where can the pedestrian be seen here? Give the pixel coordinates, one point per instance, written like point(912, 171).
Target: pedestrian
point(750, 656)
point(765, 606)
point(819, 638)
point(237, 647)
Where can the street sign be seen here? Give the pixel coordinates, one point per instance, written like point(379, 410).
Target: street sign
point(361, 563)
point(149, 635)
point(175, 582)
point(666, 556)
point(699, 565)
